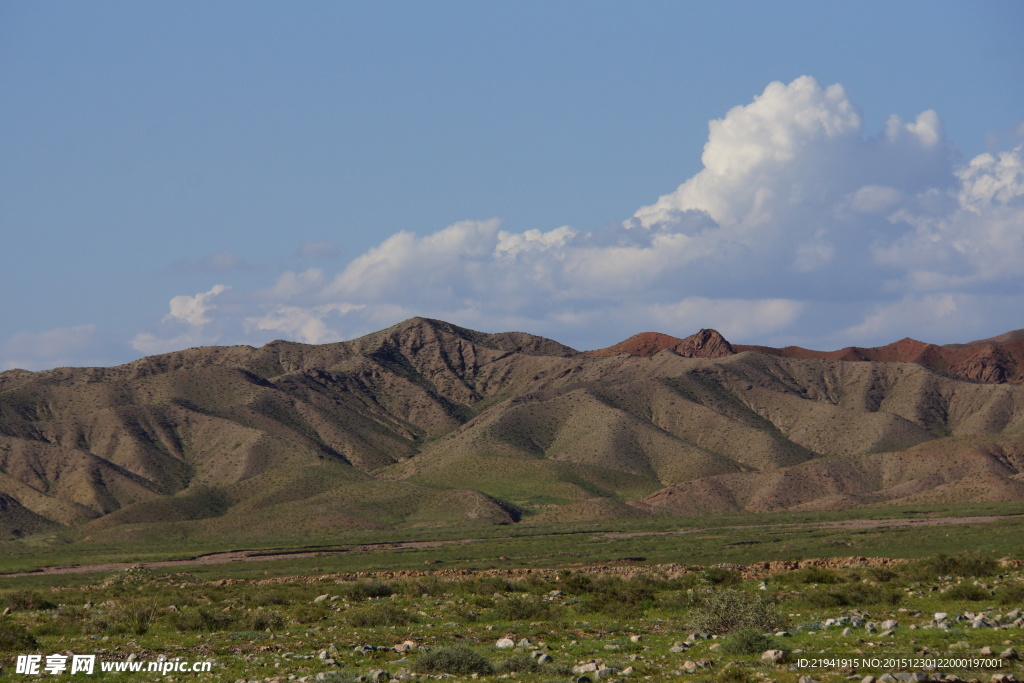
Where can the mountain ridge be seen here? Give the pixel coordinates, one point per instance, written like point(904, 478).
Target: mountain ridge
point(995, 360)
point(427, 422)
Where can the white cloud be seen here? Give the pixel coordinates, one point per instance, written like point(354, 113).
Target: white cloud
point(306, 325)
point(193, 309)
point(800, 226)
point(149, 343)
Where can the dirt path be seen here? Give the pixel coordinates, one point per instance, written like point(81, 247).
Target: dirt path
point(290, 553)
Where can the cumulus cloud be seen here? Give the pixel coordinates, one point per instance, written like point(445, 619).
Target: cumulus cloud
point(801, 227)
point(306, 325)
point(193, 309)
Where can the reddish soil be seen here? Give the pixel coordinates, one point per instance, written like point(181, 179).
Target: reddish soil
point(996, 360)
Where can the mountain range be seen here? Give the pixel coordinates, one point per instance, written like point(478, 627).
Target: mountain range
point(430, 423)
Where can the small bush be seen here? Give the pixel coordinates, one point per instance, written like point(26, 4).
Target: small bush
point(720, 576)
point(520, 663)
point(675, 602)
point(14, 637)
point(972, 565)
point(265, 598)
point(576, 584)
point(734, 672)
point(614, 595)
point(883, 574)
point(828, 599)
point(966, 591)
point(70, 621)
point(457, 659)
point(131, 617)
point(1011, 594)
point(725, 610)
point(363, 590)
point(488, 585)
point(201, 620)
point(854, 595)
point(380, 615)
point(818, 575)
point(262, 621)
point(341, 677)
point(523, 609)
point(27, 600)
point(749, 641)
point(425, 585)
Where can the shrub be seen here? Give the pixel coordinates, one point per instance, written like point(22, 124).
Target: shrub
point(520, 663)
point(749, 641)
point(489, 585)
point(675, 601)
point(380, 615)
point(720, 576)
point(962, 564)
point(523, 609)
point(725, 610)
point(27, 600)
point(340, 677)
point(612, 594)
point(854, 595)
point(70, 621)
point(457, 659)
point(133, 617)
point(14, 637)
point(576, 584)
point(1011, 594)
point(265, 598)
point(734, 672)
point(262, 621)
point(362, 590)
point(966, 591)
point(201, 620)
point(818, 575)
point(425, 585)
point(883, 574)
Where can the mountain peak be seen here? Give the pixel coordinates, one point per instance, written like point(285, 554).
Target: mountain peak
point(707, 343)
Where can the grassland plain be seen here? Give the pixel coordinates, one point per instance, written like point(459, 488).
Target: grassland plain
point(651, 599)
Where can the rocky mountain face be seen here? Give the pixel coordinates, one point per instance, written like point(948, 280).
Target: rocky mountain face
point(427, 422)
point(997, 360)
point(703, 344)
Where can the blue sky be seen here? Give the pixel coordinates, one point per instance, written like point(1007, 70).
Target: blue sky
point(193, 173)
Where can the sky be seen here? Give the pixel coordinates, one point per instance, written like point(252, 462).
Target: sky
point(178, 174)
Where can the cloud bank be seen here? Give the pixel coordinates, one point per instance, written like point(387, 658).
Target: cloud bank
point(801, 227)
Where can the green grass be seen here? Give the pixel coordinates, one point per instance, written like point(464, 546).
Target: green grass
point(258, 629)
point(739, 539)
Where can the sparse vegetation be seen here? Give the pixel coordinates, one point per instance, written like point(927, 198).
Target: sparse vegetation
point(14, 637)
point(749, 641)
point(456, 659)
point(555, 619)
point(726, 610)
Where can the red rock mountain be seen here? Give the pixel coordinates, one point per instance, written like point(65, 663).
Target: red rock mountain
point(998, 360)
point(704, 344)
